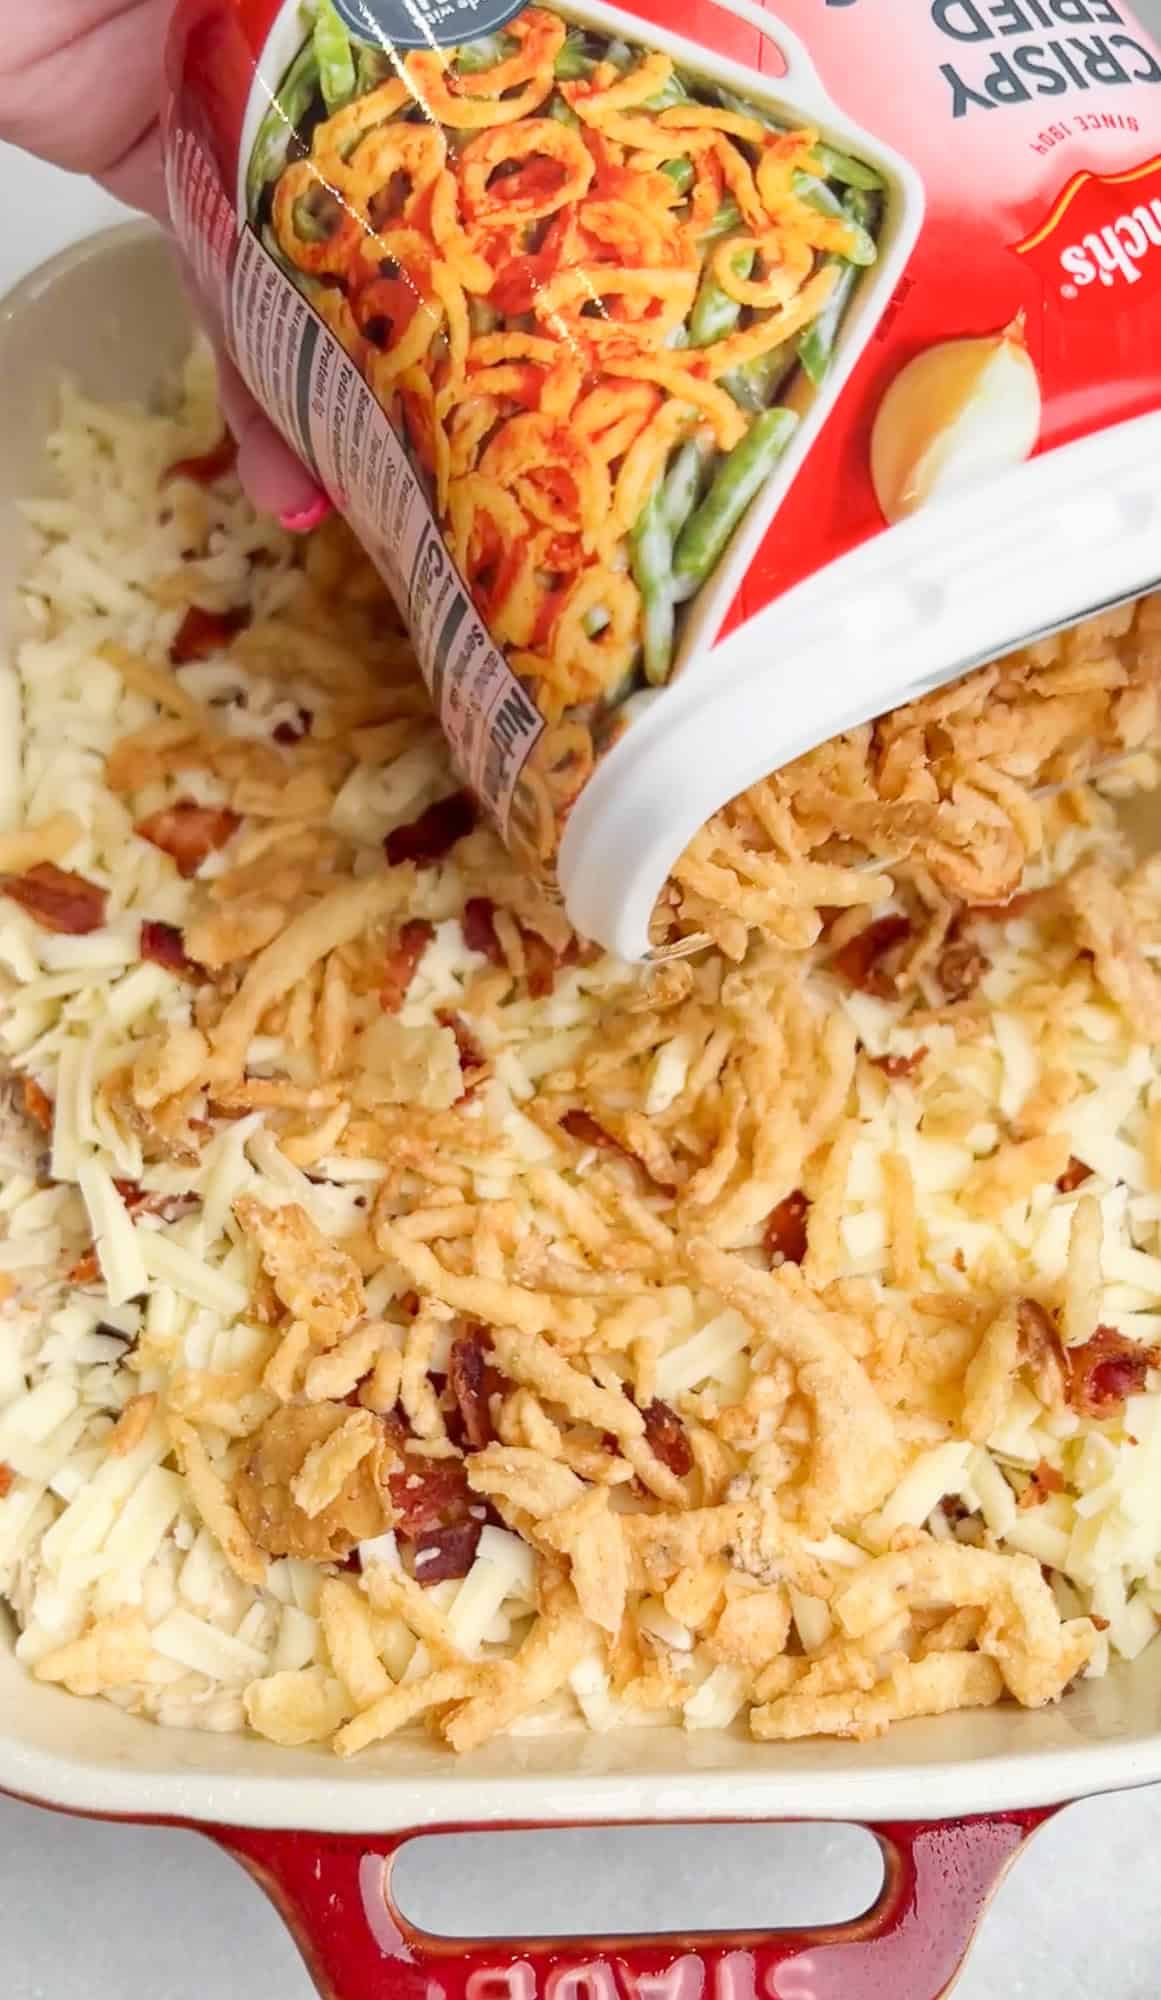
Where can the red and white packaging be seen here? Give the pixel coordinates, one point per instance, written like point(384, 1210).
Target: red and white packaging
point(704, 381)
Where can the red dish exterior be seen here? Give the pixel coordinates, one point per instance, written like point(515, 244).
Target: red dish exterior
point(335, 1893)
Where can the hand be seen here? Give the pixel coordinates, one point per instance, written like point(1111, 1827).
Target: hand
point(80, 86)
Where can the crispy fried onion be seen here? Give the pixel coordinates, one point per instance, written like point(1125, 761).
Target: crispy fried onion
point(855, 1455)
point(940, 794)
point(317, 1283)
point(1037, 1654)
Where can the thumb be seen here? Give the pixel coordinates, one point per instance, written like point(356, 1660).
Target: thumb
point(273, 477)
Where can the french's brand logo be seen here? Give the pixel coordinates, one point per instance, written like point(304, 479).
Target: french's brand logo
point(1117, 251)
point(1104, 232)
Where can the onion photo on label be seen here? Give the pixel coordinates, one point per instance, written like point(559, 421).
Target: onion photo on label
point(956, 415)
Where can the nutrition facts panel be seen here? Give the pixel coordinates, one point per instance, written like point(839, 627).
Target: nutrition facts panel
point(296, 367)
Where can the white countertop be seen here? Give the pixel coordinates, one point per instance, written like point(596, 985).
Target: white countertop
point(95, 1912)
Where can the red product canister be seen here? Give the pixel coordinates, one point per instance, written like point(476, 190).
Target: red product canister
point(703, 381)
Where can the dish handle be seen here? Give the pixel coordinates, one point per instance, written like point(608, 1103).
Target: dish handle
point(334, 1890)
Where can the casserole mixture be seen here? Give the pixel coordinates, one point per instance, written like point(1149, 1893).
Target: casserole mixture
point(409, 1313)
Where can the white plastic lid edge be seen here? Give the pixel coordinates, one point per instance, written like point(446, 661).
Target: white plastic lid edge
point(906, 612)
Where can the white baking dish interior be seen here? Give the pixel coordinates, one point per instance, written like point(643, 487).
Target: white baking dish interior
point(110, 313)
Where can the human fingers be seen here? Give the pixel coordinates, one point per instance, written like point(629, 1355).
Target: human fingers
point(80, 86)
point(276, 481)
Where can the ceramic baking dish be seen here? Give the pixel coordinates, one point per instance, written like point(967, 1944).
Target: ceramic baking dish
point(950, 1800)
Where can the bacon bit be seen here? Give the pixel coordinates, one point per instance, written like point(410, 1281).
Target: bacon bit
point(163, 944)
point(541, 964)
point(478, 924)
point(428, 1493)
point(147, 1201)
point(409, 1303)
point(898, 1067)
point(293, 732)
point(961, 967)
point(1045, 1480)
point(203, 632)
point(7, 1476)
point(1075, 1175)
point(432, 836)
point(784, 1237)
point(472, 1058)
point(467, 1376)
point(208, 466)
point(859, 960)
point(445, 1554)
point(86, 1270)
point(1105, 1369)
point(403, 963)
point(37, 1104)
point(57, 899)
point(189, 832)
point(584, 1128)
point(666, 1438)
point(1102, 1624)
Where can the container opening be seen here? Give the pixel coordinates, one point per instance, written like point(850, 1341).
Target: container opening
point(596, 1882)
